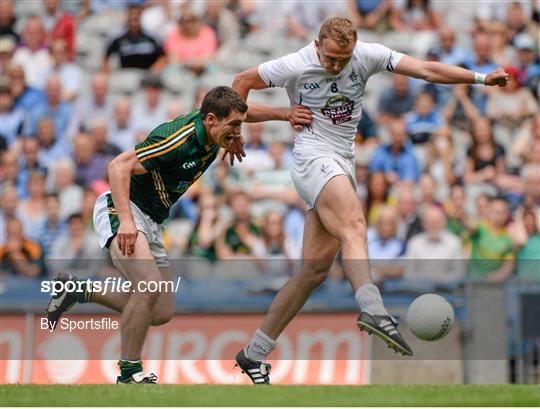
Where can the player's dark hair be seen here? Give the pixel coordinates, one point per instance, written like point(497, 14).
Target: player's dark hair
point(221, 101)
point(339, 29)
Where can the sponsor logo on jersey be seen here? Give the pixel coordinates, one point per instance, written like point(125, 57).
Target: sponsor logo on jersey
point(189, 165)
point(311, 86)
point(333, 79)
point(339, 109)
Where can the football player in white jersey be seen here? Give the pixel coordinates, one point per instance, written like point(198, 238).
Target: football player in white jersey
point(329, 76)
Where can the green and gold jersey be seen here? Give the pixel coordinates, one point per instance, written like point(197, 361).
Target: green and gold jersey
point(490, 247)
point(175, 154)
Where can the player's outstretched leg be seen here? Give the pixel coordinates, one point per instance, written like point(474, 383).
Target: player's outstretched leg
point(66, 297)
point(318, 253)
point(341, 214)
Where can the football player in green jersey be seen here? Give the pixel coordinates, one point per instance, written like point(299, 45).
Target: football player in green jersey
point(145, 182)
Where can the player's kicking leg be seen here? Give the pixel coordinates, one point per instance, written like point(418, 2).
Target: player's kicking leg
point(318, 253)
point(341, 214)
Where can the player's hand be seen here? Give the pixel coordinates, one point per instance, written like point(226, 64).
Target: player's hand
point(300, 116)
point(126, 237)
point(235, 149)
point(498, 77)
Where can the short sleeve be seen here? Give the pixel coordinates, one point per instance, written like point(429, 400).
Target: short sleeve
point(112, 48)
point(157, 151)
point(281, 71)
point(377, 57)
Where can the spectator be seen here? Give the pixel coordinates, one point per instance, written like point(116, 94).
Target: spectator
point(442, 163)
point(257, 156)
point(449, 51)
point(7, 48)
point(47, 232)
point(409, 222)
point(481, 60)
point(202, 239)
point(526, 136)
point(526, 237)
point(377, 195)
point(456, 212)
point(485, 159)
point(29, 163)
point(224, 23)
point(135, 48)
point(192, 44)
point(396, 159)
point(434, 255)
point(510, 106)
point(275, 250)
point(428, 192)
point(481, 204)
point(59, 25)
point(20, 255)
point(384, 246)
point(464, 107)
point(33, 56)
point(98, 104)
point(89, 165)
point(240, 238)
point(304, 18)
point(528, 63)
point(51, 149)
point(492, 255)
point(26, 97)
point(501, 51)
point(396, 100)
point(417, 15)
point(70, 194)
point(531, 196)
point(9, 208)
point(12, 120)
point(70, 74)
point(99, 131)
point(121, 130)
point(77, 249)
point(32, 211)
point(60, 111)
point(89, 200)
point(424, 121)
point(150, 111)
point(7, 22)
point(370, 15)
point(518, 23)
point(9, 171)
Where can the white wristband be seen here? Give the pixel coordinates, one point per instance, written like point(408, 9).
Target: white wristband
point(479, 78)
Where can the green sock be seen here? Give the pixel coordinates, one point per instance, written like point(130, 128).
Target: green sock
point(128, 368)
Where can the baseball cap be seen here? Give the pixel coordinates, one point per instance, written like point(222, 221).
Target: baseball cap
point(524, 42)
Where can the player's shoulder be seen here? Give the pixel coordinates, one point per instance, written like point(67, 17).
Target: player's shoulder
point(364, 50)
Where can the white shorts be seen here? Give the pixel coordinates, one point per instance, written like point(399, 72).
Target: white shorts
point(106, 224)
point(312, 171)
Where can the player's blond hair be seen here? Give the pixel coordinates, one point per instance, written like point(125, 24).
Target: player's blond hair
point(339, 29)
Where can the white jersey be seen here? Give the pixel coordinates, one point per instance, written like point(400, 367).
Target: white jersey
point(334, 100)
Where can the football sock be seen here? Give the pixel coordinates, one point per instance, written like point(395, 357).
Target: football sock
point(86, 294)
point(260, 346)
point(128, 368)
point(369, 300)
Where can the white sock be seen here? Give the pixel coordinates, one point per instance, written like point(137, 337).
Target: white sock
point(369, 300)
point(260, 346)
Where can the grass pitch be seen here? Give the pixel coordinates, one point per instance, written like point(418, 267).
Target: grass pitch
point(273, 395)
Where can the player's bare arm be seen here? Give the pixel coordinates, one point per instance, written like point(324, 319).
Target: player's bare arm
point(437, 72)
point(120, 170)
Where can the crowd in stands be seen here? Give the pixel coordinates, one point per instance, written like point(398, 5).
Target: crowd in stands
point(450, 173)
